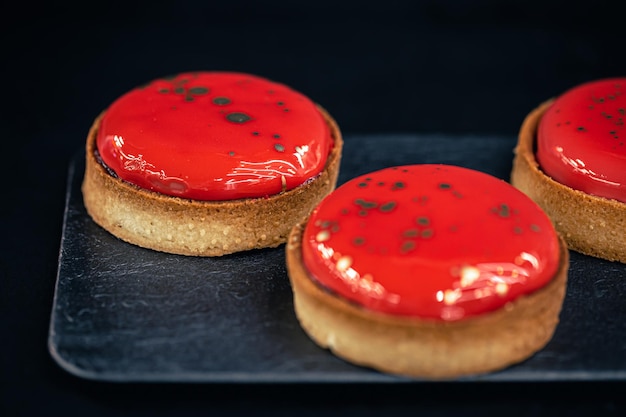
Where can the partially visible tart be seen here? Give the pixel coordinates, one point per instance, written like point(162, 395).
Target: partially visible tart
point(571, 159)
point(209, 163)
point(431, 271)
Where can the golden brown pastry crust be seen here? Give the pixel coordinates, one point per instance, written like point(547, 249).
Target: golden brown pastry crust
point(425, 348)
point(200, 228)
point(591, 225)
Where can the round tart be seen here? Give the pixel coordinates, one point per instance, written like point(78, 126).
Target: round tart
point(571, 159)
point(430, 271)
point(209, 163)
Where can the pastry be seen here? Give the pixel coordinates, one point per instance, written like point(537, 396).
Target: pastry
point(571, 159)
point(209, 163)
point(428, 271)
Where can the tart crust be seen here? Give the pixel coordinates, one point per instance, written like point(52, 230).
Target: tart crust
point(200, 228)
point(591, 225)
point(422, 348)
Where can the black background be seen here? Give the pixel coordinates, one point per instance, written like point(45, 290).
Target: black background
point(454, 67)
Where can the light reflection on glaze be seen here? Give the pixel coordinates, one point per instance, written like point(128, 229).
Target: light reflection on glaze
point(135, 166)
point(214, 136)
point(578, 166)
point(357, 283)
point(432, 241)
point(581, 139)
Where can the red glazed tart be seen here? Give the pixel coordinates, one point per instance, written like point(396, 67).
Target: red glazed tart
point(431, 271)
point(571, 159)
point(209, 163)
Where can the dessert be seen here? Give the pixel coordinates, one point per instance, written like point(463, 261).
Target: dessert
point(428, 271)
point(571, 159)
point(209, 163)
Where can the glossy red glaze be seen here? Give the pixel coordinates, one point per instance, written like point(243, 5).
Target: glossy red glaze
point(434, 241)
point(581, 140)
point(214, 136)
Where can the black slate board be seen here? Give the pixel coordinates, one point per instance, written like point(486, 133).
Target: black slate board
point(126, 314)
